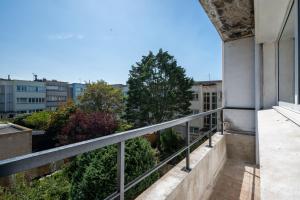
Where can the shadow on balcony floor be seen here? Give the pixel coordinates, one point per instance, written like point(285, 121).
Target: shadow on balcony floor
point(237, 180)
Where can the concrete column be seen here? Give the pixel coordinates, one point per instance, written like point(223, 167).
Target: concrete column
point(258, 92)
point(239, 85)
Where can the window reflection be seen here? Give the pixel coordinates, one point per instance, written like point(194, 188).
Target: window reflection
point(286, 61)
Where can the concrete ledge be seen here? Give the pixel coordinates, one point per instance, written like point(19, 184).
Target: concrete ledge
point(198, 183)
point(279, 152)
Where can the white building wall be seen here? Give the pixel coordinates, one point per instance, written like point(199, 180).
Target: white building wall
point(238, 85)
point(269, 75)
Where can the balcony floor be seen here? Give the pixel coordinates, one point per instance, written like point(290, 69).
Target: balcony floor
point(237, 180)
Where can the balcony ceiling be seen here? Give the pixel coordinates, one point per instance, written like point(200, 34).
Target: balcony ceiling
point(233, 19)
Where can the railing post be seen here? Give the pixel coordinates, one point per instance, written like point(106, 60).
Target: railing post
point(187, 143)
point(210, 131)
point(222, 122)
point(121, 169)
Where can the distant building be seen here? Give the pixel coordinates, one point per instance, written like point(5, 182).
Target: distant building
point(20, 96)
point(76, 90)
point(207, 95)
point(56, 92)
point(123, 88)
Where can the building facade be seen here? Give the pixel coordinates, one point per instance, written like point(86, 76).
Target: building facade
point(20, 96)
point(76, 90)
point(123, 88)
point(56, 93)
point(207, 95)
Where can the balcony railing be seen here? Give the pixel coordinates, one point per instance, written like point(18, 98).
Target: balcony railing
point(33, 160)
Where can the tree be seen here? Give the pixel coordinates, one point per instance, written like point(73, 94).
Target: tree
point(159, 90)
point(170, 142)
point(93, 175)
point(58, 121)
point(83, 126)
point(100, 96)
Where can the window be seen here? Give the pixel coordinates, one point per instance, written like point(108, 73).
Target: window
point(206, 101)
point(194, 129)
point(195, 112)
point(21, 88)
point(210, 101)
point(21, 100)
point(286, 60)
point(195, 96)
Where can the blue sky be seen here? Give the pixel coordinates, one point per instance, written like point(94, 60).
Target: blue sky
point(81, 40)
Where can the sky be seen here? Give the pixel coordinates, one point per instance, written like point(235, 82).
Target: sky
point(89, 40)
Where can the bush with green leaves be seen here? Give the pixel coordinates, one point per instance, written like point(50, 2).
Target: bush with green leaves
point(38, 120)
point(170, 142)
point(55, 186)
point(93, 175)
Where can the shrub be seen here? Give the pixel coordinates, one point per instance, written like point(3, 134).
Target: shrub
point(19, 119)
point(93, 175)
point(55, 186)
point(58, 121)
point(38, 120)
point(170, 142)
point(83, 126)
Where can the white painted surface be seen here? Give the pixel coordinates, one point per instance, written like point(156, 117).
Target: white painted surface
point(238, 83)
point(269, 75)
point(240, 120)
point(279, 149)
point(269, 16)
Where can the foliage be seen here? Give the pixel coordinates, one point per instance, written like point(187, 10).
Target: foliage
point(159, 90)
point(19, 119)
point(170, 142)
point(124, 125)
point(55, 186)
point(101, 97)
point(59, 119)
point(93, 175)
point(83, 126)
point(38, 120)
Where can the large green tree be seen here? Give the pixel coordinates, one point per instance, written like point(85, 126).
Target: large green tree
point(159, 90)
point(100, 96)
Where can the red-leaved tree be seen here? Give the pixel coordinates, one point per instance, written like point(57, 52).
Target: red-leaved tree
point(83, 126)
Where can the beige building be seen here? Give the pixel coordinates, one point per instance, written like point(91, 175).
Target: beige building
point(207, 96)
point(15, 140)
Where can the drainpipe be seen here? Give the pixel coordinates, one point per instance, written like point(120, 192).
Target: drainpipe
point(258, 92)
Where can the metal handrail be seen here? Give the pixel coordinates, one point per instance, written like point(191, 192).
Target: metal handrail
point(33, 160)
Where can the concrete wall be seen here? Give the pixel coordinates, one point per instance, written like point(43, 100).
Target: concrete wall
point(240, 147)
point(198, 183)
point(269, 76)
point(15, 144)
point(238, 83)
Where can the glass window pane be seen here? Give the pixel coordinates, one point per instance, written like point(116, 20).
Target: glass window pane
point(286, 60)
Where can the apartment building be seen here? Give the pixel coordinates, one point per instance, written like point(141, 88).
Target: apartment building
point(207, 96)
point(75, 90)
point(56, 93)
point(123, 88)
point(21, 96)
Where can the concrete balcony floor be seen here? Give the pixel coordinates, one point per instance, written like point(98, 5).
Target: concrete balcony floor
point(237, 180)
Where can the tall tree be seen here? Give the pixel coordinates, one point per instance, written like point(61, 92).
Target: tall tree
point(159, 90)
point(101, 97)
